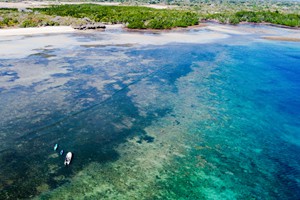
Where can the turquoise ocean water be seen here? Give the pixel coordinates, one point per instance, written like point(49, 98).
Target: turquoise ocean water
point(178, 121)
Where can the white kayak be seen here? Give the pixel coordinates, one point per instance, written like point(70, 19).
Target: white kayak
point(68, 158)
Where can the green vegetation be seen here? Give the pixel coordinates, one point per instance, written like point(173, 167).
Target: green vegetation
point(138, 17)
point(133, 16)
point(6, 19)
point(14, 18)
point(292, 20)
point(143, 18)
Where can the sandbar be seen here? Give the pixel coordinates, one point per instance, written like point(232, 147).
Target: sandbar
point(281, 38)
point(226, 29)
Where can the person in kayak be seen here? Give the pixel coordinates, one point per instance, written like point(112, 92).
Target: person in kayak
point(68, 158)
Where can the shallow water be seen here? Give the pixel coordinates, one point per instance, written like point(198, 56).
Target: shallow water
point(216, 120)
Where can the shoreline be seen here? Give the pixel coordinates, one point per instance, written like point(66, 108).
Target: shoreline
point(36, 30)
point(21, 43)
point(15, 31)
point(293, 36)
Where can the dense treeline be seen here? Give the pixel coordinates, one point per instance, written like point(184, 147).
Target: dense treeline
point(13, 18)
point(133, 16)
point(136, 17)
point(292, 20)
point(142, 17)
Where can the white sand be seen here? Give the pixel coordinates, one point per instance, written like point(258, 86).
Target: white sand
point(38, 30)
point(14, 43)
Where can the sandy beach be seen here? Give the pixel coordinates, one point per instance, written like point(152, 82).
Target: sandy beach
point(268, 31)
point(20, 46)
point(17, 45)
point(36, 30)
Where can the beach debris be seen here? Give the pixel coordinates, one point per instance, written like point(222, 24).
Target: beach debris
point(61, 152)
point(55, 147)
point(90, 26)
point(68, 158)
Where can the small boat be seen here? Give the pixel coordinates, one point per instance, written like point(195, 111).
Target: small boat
point(61, 152)
point(55, 147)
point(68, 158)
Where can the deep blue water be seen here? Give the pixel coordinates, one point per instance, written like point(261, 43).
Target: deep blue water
point(238, 103)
